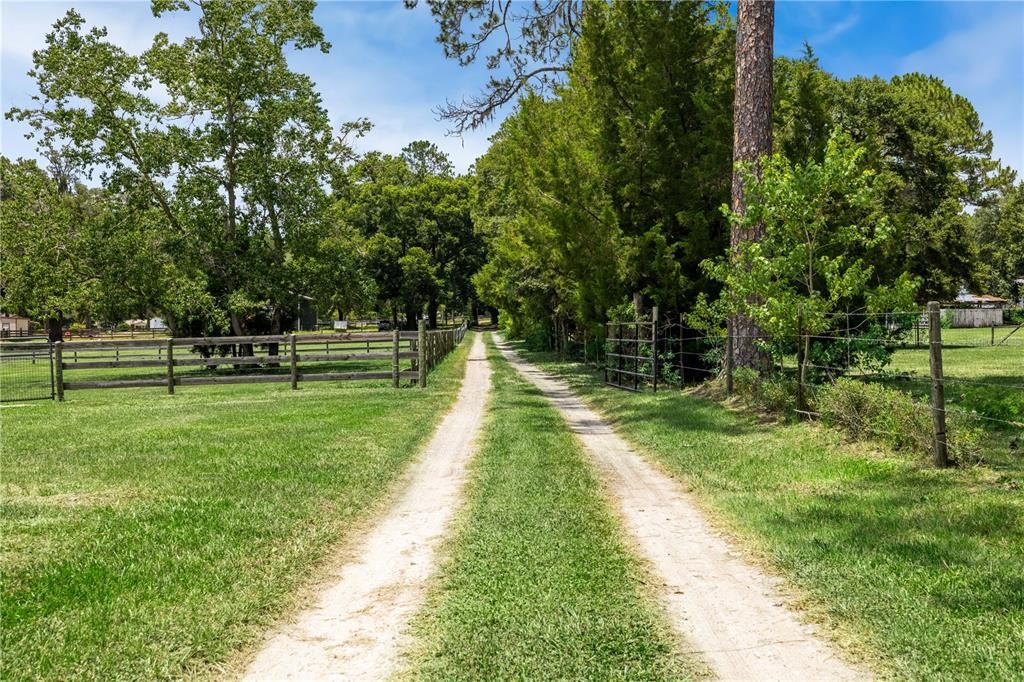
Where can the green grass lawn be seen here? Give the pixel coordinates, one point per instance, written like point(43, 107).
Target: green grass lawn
point(984, 385)
point(151, 536)
point(919, 570)
point(538, 585)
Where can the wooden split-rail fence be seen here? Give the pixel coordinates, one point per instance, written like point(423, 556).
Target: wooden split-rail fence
point(287, 358)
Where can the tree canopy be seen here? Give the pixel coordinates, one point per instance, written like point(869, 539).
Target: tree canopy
point(203, 181)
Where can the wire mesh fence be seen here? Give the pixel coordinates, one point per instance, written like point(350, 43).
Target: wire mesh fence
point(955, 391)
point(26, 369)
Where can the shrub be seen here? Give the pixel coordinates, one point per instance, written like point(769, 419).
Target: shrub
point(772, 392)
point(876, 412)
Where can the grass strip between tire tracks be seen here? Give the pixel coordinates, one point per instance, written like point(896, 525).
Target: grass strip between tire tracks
point(917, 569)
point(538, 583)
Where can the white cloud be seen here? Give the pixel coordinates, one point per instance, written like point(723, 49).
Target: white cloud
point(130, 25)
point(985, 63)
point(835, 30)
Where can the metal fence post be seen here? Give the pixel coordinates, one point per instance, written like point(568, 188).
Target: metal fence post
point(654, 346)
point(294, 363)
point(939, 445)
point(604, 341)
point(395, 340)
point(618, 351)
point(58, 368)
point(636, 356)
point(170, 366)
point(421, 347)
point(682, 374)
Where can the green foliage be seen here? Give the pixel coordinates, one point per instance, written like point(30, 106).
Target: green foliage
point(801, 109)
point(871, 411)
point(228, 169)
point(771, 392)
point(610, 188)
point(73, 252)
point(928, 149)
point(819, 220)
point(658, 81)
point(554, 239)
point(421, 244)
point(999, 233)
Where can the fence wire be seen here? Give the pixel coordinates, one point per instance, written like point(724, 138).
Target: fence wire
point(982, 378)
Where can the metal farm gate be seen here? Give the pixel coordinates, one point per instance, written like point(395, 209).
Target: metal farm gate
point(656, 352)
point(26, 369)
point(630, 358)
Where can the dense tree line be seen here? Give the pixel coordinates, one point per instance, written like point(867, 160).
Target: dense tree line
point(221, 195)
point(224, 194)
point(615, 188)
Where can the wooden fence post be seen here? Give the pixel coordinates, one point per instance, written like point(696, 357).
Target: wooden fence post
point(993, 334)
point(58, 368)
point(170, 366)
point(395, 341)
point(728, 359)
point(939, 446)
point(654, 346)
point(421, 347)
point(294, 362)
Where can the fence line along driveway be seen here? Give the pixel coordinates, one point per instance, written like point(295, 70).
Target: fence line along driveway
point(253, 359)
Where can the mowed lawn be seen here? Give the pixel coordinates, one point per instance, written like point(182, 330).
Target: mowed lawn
point(917, 570)
point(151, 536)
point(538, 584)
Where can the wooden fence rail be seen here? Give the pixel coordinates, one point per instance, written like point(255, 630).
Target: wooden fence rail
point(270, 358)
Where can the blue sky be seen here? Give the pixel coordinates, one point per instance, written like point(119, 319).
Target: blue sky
point(385, 64)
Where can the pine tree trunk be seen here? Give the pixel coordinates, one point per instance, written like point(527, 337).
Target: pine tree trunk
point(752, 139)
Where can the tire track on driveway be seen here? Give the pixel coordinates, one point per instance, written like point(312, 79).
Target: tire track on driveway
point(355, 629)
point(728, 610)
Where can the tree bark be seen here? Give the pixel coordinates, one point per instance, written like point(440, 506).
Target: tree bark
point(752, 140)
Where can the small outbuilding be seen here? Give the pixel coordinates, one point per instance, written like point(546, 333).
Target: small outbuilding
point(14, 325)
point(976, 310)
